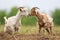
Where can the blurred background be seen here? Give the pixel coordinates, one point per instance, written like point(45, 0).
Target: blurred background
point(8, 8)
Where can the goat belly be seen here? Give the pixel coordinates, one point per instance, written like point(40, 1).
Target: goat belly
point(11, 22)
point(41, 24)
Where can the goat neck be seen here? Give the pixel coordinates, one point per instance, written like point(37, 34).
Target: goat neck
point(18, 16)
point(38, 15)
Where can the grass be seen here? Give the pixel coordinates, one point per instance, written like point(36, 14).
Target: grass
point(31, 29)
point(56, 29)
point(31, 32)
point(1, 28)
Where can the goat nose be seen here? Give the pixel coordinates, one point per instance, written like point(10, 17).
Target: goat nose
point(29, 14)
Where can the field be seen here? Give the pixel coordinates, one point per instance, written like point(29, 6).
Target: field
point(31, 33)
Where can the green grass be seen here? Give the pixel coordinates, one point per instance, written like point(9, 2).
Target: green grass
point(1, 28)
point(56, 29)
point(29, 30)
point(32, 29)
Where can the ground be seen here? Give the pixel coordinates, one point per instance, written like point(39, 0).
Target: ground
point(31, 33)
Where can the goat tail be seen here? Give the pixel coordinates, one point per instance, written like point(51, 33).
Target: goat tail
point(5, 19)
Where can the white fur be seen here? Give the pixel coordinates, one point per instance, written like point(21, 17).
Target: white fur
point(11, 21)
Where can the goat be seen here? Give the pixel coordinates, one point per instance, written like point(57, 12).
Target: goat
point(44, 20)
point(13, 23)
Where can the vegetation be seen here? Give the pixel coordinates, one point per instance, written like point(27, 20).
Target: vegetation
point(29, 21)
point(2, 14)
point(56, 16)
point(12, 12)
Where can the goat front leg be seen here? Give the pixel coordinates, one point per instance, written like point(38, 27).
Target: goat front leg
point(17, 27)
point(19, 24)
point(39, 28)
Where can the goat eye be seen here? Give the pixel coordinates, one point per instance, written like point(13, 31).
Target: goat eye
point(20, 10)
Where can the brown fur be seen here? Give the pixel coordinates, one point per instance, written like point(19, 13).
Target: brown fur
point(42, 20)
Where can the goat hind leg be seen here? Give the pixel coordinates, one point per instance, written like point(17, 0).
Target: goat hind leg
point(47, 30)
point(50, 30)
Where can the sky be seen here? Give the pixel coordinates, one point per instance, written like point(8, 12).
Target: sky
point(44, 5)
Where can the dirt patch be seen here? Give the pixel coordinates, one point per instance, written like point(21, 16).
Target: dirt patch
point(5, 36)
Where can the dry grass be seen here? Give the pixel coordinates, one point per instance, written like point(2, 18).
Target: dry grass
point(31, 33)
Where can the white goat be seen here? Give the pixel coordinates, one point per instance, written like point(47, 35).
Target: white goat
point(13, 23)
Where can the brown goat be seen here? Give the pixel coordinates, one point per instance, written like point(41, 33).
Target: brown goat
point(44, 20)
